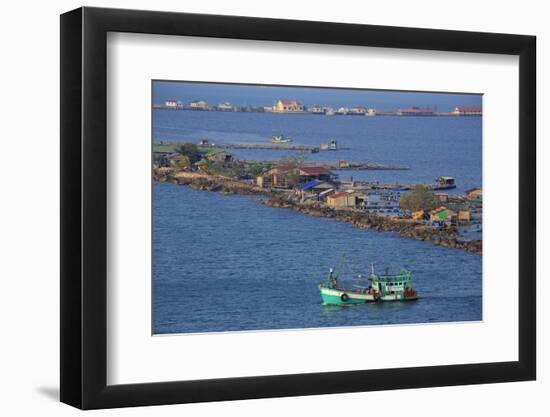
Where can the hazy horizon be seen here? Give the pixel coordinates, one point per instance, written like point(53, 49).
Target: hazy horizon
point(263, 95)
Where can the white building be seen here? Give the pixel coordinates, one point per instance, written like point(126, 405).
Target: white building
point(199, 105)
point(171, 104)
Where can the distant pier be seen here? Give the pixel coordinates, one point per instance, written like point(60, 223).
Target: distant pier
point(267, 146)
point(342, 165)
point(277, 146)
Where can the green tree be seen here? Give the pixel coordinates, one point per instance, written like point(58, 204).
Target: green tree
point(184, 162)
point(419, 198)
point(255, 169)
point(207, 166)
point(191, 151)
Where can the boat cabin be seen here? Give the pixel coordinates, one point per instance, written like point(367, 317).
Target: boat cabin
point(390, 284)
point(445, 181)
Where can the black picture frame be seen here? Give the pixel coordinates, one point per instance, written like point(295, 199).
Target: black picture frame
point(84, 207)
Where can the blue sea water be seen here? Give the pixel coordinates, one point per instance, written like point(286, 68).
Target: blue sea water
point(228, 262)
point(429, 146)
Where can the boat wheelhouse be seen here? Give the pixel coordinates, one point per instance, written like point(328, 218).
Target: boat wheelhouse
point(396, 287)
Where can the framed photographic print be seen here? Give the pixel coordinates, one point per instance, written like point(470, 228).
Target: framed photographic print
point(256, 208)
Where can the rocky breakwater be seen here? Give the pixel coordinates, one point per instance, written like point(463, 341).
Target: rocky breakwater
point(205, 182)
point(443, 236)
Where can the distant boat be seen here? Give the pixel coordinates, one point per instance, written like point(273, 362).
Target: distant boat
point(387, 287)
point(331, 146)
point(280, 139)
point(444, 183)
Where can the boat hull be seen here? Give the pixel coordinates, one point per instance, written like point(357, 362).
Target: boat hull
point(397, 297)
point(341, 297)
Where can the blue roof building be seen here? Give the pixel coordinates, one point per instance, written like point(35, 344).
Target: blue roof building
point(308, 185)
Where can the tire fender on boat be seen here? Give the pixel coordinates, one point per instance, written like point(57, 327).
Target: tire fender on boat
point(344, 297)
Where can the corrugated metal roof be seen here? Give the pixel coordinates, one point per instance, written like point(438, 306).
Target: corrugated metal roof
point(310, 184)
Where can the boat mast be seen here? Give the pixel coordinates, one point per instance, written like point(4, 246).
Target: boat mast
point(341, 264)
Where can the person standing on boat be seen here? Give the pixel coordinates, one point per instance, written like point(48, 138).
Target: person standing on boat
point(332, 279)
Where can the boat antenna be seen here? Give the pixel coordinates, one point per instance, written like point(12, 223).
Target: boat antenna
point(372, 268)
point(341, 264)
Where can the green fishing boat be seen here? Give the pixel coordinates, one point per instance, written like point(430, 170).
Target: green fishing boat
point(386, 287)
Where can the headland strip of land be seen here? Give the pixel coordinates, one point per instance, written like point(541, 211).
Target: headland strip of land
point(422, 228)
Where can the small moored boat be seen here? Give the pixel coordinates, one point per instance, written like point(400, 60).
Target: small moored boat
point(332, 145)
point(280, 139)
point(444, 183)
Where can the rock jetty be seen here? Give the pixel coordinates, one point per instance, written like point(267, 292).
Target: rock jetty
point(442, 236)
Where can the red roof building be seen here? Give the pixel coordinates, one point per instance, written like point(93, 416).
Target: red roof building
point(415, 111)
point(314, 171)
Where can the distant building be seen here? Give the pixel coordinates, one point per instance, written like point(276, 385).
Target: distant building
point(276, 177)
point(172, 159)
point(378, 200)
point(173, 104)
point(288, 106)
point(199, 105)
point(442, 197)
point(220, 156)
point(357, 111)
point(287, 178)
point(474, 194)
point(316, 109)
point(313, 189)
point(467, 111)
point(415, 111)
point(340, 200)
point(464, 216)
point(342, 111)
point(371, 112)
point(442, 214)
point(315, 173)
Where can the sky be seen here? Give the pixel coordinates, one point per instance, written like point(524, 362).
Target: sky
point(258, 95)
